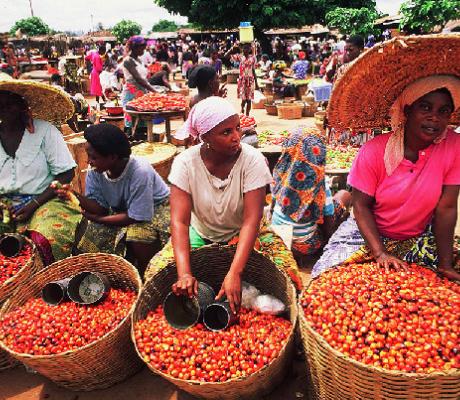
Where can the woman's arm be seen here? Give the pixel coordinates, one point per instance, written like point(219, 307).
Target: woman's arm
point(253, 210)
point(27, 211)
point(181, 211)
point(362, 208)
point(131, 67)
point(90, 206)
point(445, 218)
point(120, 219)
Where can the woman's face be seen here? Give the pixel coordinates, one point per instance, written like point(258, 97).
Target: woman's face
point(138, 50)
point(99, 162)
point(428, 117)
point(11, 111)
point(225, 137)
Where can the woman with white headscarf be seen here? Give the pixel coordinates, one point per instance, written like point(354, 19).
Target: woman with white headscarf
point(217, 193)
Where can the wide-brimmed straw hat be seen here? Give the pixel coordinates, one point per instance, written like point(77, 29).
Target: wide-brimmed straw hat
point(363, 95)
point(46, 102)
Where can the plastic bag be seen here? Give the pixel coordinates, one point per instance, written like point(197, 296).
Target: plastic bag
point(267, 304)
point(263, 303)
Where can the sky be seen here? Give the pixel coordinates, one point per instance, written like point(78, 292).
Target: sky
point(75, 15)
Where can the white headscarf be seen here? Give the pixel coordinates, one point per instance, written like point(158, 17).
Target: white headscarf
point(204, 116)
point(394, 150)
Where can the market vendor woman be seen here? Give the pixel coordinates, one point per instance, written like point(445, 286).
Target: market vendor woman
point(406, 183)
point(217, 193)
point(32, 155)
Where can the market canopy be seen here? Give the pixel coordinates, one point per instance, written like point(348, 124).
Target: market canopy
point(316, 29)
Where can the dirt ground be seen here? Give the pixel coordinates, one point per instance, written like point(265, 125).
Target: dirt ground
point(17, 384)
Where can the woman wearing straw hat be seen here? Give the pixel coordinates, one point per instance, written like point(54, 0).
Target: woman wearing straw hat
point(405, 183)
point(217, 194)
point(32, 155)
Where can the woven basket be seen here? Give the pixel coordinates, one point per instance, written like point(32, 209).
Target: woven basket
point(290, 110)
point(210, 264)
point(271, 109)
point(232, 78)
point(6, 361)
point(338, 377)
point(319, 120)
point(159, 155)
point(260, 105)
point(34, 265)
point(309, 110)
point(98, 365)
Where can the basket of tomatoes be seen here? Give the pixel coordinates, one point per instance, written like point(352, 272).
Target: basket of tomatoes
point(246, 360)
point(77, 346)
point(370, 333)
point(158, 102)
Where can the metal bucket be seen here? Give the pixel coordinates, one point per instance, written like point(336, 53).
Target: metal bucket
point(55, 292)
point(182, 311)
point(88, 287)
point(219, 316)
point(11, 244)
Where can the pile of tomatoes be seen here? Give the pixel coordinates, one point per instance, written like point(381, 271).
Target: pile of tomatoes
point(10, 266)
point(200, 355)
point(246, 121)
point(158, 102)
point(41, 329)
point(399, 320)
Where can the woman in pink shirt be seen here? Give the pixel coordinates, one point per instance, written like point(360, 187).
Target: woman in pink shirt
point(406, 184)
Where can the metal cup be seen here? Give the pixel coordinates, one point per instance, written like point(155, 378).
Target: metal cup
point(219, 316)
point(182, 311)
point(88, 287)
point(55, 292)
point(11, 244)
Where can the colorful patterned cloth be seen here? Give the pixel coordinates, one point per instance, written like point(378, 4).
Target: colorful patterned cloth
point(347, 246)
point(246, 79)
point(100, 238)
point(268, 244)
point(299, 186)
point(131, 91)
point(52, 228)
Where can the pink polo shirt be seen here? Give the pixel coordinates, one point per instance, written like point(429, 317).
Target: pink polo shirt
point(406, 200)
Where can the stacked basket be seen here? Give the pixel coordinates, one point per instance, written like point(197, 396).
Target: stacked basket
point(210, 264)
point(34, 265)
point(97, 365)
point(290, 110)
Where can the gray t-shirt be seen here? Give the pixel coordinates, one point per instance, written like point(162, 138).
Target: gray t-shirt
point(136, 191)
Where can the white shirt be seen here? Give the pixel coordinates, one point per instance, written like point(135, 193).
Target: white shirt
point(217, 210)
point(39, 158)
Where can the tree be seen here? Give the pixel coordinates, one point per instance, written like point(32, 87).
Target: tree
point(125, 29)
point(32, 26)
point(422, 16)
point(165, 26)
point(263, 14)
point(352, 21)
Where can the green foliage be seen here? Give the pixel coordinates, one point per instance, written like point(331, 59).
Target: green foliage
point(165, 26)
point(125, 29)
point(422, 16)
point(32, 26)
point(352, 21)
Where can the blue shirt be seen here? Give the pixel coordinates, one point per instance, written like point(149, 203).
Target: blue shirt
point(300, 69)
point(136, 191)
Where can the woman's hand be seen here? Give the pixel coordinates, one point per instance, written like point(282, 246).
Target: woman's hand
point(387, 260)
point(91, 216)
point(231, 287)
point(186, 284)
point(26, 212)
point(62, 191)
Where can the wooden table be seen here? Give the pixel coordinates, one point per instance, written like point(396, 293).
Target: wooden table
point(148, 116)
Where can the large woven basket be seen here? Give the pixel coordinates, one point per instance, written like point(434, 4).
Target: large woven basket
point(290, 110)
point(338, 377)
point(159, 155)
point(100, 364)
point(34, 265)
point(210, 264)
point(271, 109)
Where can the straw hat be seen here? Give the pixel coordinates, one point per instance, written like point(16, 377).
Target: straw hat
point(46, 102)
point(363, 95)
